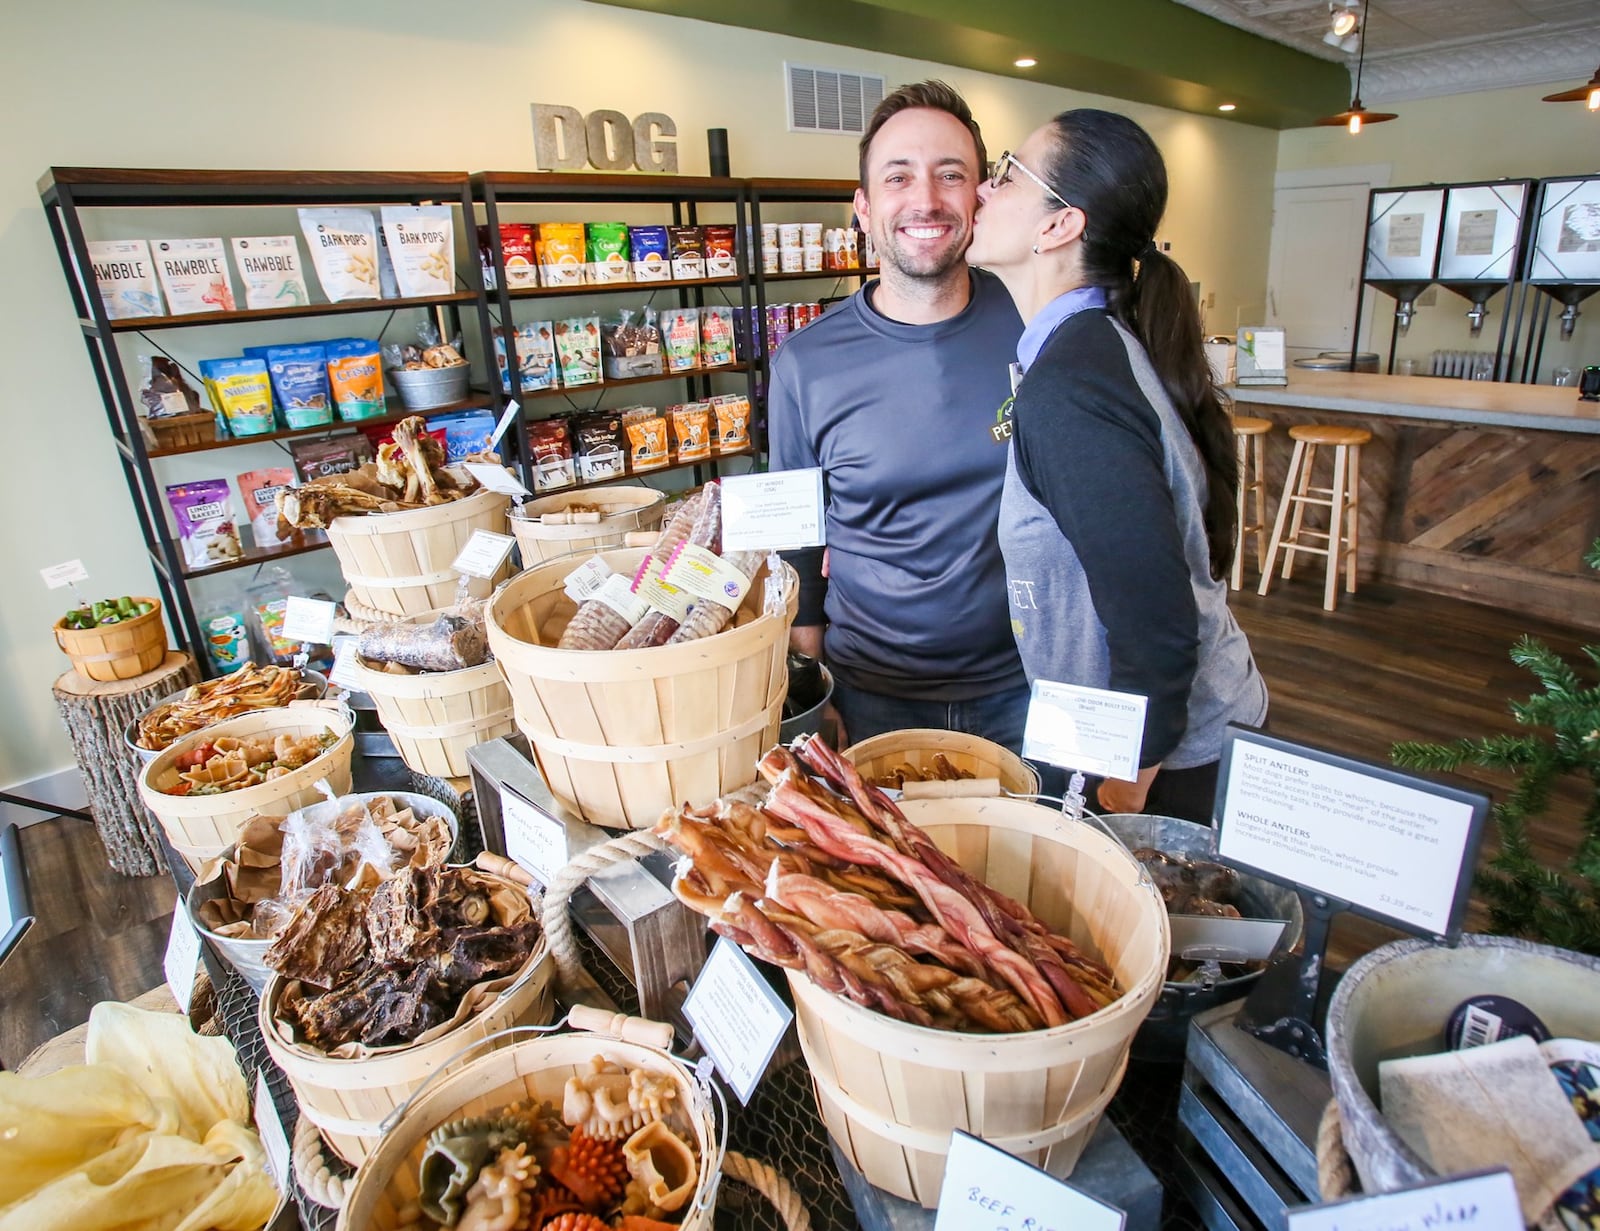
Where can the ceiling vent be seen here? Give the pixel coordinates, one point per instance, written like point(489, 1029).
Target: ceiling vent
point(828, 100)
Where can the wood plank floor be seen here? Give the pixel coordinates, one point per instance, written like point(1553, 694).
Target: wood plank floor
point(1390, 664)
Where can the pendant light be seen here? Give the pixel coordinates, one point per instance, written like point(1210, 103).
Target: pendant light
point(1357, 117)
point(1587, 94)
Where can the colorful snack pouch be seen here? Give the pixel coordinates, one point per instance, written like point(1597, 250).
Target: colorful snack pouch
point(194, 275)
point(732, 412)
point(259, 490)
point(125, 277)
point(536, 356)
point(561, 251)
point(241, 393)
point(578, 351)
point(647, 438)
point(270, 267)
point(721, 261)
point(316, 459)
point(421, 240)
point(599, 447)
point(691, 431)
point(227, 640)
point(299, 376)
point(355, 377)
point(552, 455)
point(652, 258)
point(630, 345)
point(344, 249)
point(206, 527)
point(688, 246)
point(465, 433)
point(376, 435)
point(681, 336)
point(606, 246)
point(517, 250)
point(716, 336)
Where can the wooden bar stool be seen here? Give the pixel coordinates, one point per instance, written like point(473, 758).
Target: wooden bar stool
point(1249, 435)
point(1342, 500)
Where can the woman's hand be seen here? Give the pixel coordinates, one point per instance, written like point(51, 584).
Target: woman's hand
point(1119, 795)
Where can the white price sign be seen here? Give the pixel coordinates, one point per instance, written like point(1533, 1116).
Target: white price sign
point(345, 664)
point(58, 575)
point(534, 838)
point(1483, 1202)
point(1088, 729)
point(1387, 843)
point(182, 959)
point(506, 421)
point(308, 619)
point(584, 582)
point(496, 478)
point(737, 1017)
point(986, 1189)
point(780, 511)
point(484, 553)
point(273, 1139)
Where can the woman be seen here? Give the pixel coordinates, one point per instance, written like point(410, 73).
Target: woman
point(1117, 520)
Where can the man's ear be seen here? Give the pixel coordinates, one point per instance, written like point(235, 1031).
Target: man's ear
point(863, 210)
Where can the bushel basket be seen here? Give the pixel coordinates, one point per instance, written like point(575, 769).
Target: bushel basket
point(433, 717)
point(918, 747)
point(623, 509)
point(111, 652)
point(891, 1092)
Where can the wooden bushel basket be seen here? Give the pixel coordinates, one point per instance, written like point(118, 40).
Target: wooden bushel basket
point(527, 1069)
point(200, 827)
point(349, 1100)
point(890, 1092)
point(623, 509)
point(399, 563)
point(435, 716)
point(111, 652)
point(621, 735)
point(915, 746)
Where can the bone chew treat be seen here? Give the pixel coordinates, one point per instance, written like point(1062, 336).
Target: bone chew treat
point(450, 643)
point(950, 788)
point(499, 865)
point(708, 619)
point(570, 519)
point(657, 626)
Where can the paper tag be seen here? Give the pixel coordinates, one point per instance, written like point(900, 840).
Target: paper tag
point(505, 421)
point(1228, 940)
point(496, 478)
point(778, 511)
point(707, 576)
point(345, 664)
point(1483, 1202)
point(58, 575)
point(182, 959)
point(534, 838)
point(986, 1189)
point(1385, 842)
point(737, 1017)
point(273, 1139)
point(616, 592)
point(308, 619)
point(585, 580)
point(662, 596)
point(484, 553)
point(1092, 729)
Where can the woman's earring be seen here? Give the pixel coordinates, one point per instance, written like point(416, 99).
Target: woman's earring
point(1036, 250)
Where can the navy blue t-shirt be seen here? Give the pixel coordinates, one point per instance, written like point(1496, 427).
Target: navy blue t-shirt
point(899, 418)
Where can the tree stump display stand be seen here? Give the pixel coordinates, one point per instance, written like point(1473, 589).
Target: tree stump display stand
point(96, 715)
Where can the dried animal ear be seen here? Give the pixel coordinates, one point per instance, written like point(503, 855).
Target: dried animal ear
point(664, 1164)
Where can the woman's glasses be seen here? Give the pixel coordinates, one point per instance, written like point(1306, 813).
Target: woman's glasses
point(1002, 177)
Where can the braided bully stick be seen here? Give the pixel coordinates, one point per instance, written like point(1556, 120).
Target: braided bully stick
point(657, 626)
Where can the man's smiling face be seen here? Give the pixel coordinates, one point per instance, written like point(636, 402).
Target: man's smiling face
point(920, 192)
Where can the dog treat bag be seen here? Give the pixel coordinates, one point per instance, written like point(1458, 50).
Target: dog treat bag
point(561, 253)
point(125, 277)
point(422, 244)
point(270, 268)
point(355, 377)
point(652, 259)
point(206, 527)
point(194, 275)
point(344, 250)
point(259, 490)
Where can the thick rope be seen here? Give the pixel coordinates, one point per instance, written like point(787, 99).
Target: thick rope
point(558, 919)
point(1336, 1176)
point(772, 1186)
point(317, 1180)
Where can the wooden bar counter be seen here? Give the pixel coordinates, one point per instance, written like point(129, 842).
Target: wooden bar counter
point(1476, 489)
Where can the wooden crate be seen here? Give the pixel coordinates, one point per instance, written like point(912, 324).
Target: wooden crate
point(891, 1092)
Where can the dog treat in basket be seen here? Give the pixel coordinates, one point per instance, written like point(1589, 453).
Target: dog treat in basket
point(827, 876)
point(939, 771)
point(232, 764)
point(617, 1157)
point(455, 641)
point(409, 473)
point(378, 967)
point(210, 701)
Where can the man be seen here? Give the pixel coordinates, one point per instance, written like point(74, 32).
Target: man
point(895, 394)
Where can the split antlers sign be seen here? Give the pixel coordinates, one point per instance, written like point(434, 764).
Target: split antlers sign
point(566, 140)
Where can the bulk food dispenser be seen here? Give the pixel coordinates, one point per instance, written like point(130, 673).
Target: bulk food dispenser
point(1402, 254)
point(1564, 261)
point(1481, 250)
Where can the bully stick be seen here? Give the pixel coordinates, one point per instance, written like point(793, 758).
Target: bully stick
point(657, 626)
point(1083, 984)
point(795, 798)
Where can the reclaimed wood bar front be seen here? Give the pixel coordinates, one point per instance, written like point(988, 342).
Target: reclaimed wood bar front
point(1480, 490)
